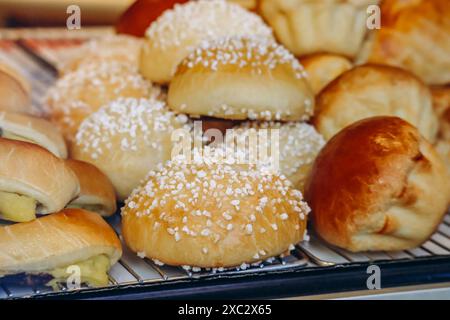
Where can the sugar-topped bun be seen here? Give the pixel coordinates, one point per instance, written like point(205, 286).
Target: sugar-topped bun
point(242, 78)
point(15, 91)
point(174, 34)
point(126, 139)
point(82, 92)
point(322, 68)
point(374, 90)
point(414, 35)
point(299, 143)
point(211, 214)
point(121, 48)
point(378, 185)
point(310, 26)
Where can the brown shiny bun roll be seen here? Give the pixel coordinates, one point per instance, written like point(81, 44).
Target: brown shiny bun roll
point(378, 185)
point(310, 26)
point(213, 215)
point(82, 92)
point(414, 35)
point(33, 181)
point(323, 68)
point(242, 78)
point(26, 128)
point(374, 90)
point(51, 244)
point(96, 191)
point(15, 91)
point(176, 32)
point(121, 48)
point(126, 139)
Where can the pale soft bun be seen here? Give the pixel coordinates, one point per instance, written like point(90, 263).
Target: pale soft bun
point(176, 32)
point(121, 48)
point(56, 241)
point(414, 35)
point(213, 215)
point(15, 91)
point(322, 68)
point(378, 185)
point(30, 170)
point(310, 26)
point(96, 191)
point(126, 139)
point(242, 78)
point(82, 92)
point(298, 145)
point(373, 90)
point(35, 130)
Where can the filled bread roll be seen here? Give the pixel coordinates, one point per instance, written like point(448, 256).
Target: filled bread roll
point(96, 191)
point(210, 214)
point(378, 185)
point(414, 35)
point(33, 181)
point(15, 91)
point(35, 130)
point(126, 139)
point(310, 26)
point(322, 68)
point(375, 90)
point(298, 143)
point(52, 244)
point(82, 92)
point(242, 78)
point(176, 32)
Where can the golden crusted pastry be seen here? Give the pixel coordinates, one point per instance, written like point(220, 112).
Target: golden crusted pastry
point(311, 26)
point(415, 35)
point(176, 32)
point(242, 78)
point(378, 185)
point(373, 90)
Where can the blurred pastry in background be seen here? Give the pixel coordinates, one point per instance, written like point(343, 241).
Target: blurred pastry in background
point(26, 128)
point(171, 37)
point(378, 185)
point(322, 68)
point(441, 102)
point(414, 35)
point(375, 90)
point(242, 78)
point(126, 139)
point(96, 191)
point(15, 91)
point(307, 27)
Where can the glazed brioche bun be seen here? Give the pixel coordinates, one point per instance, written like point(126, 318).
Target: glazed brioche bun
point(82, 92)
point(375, 90)
point(121, 48)
point(378, 185)
point(309, 26)
point(30, 170)
point(414, 35)
point(126, 139)
point(15, 91)
point(322, 68)
point(56, 241)
point(176, 32)
point(241, 78)
point(96, 191)
point(35, 130)
point(298, 145)
point(213, 215)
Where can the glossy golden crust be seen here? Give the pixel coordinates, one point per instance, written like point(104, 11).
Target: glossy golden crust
point(96, 191)
point(378, 185)
point(28, 169)
point(55, 241)
point(375, 90)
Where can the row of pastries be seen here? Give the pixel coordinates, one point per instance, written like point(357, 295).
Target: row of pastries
point(362, 117)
